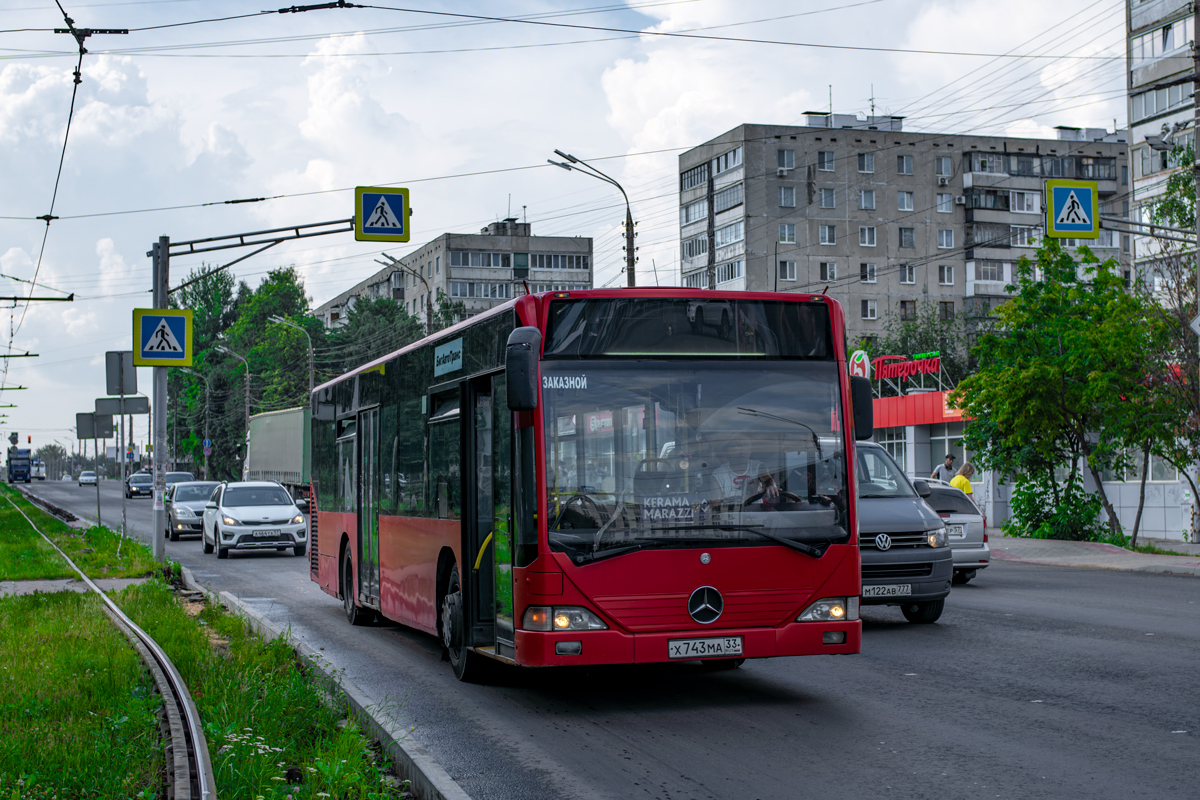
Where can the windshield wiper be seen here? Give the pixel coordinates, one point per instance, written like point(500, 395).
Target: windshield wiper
point(816, 551)
point(753, 412)
point(598, 555)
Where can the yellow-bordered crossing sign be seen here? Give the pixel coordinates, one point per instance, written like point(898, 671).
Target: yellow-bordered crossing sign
point(162, 337)
point(381, 214)
point(1072, 209)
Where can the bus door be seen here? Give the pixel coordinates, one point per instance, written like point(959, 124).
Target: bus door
point(488, 532)
point(368, 507)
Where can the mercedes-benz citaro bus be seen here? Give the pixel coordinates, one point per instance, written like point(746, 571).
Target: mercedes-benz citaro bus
point(601, 477)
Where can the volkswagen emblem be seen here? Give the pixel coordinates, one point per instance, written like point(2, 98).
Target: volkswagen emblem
point(705, 605)
point(883, 542)
point(705, 558)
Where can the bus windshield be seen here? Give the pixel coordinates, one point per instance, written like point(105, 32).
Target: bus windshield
point(680, 453)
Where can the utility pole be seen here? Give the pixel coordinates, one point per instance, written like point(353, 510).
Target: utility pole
point(162, 266)
point(579, 165)
point(207, 391)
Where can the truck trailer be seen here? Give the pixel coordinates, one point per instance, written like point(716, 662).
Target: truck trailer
point(278, 448)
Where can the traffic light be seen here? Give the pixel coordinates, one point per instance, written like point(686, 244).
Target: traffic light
point(29, 439)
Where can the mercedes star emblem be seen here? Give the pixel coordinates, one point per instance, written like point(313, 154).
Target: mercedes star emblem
point(705, 558)
point(883, 541)
point(705, 605)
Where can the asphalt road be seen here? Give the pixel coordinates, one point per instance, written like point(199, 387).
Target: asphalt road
point(1038, 682)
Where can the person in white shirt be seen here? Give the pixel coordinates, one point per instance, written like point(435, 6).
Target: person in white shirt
point(737, 478)
point(945, 471)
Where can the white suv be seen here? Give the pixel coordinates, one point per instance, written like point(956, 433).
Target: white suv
point(253, 515)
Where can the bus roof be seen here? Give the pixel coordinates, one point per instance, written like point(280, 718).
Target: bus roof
point(539, 300)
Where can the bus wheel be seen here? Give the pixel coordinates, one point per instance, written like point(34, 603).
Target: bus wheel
point(465, 664)
point(355, 614)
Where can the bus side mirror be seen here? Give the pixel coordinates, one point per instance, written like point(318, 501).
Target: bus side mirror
point(521, 365)
point(861, 401)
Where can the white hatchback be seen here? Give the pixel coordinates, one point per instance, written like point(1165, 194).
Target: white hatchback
point(253, 515)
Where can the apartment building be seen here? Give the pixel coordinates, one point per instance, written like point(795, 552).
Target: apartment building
point(1160, 34)
point(882, 219)
point(479, 270)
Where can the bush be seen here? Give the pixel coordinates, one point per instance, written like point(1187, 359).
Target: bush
point(1075, 518)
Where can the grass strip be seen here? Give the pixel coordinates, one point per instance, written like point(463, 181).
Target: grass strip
point(272, 731)
point(77, 707)
point(24, 555)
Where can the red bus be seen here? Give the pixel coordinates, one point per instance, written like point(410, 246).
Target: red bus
point(601, 477)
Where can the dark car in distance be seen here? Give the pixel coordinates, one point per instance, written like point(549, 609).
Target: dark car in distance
point(140, 484)
point(906, 558)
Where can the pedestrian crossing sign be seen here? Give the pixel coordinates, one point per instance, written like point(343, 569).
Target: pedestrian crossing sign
point(1072, 209)
point(162, 337)
point(381, 214)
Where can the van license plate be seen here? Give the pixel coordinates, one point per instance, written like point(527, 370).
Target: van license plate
point(704, 648)
point(892, 590)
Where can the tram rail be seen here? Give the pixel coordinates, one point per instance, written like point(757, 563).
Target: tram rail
point(189, 767)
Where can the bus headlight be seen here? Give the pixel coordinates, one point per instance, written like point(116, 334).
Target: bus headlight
point(831, 609)
point(938, 538)
point(561, 618)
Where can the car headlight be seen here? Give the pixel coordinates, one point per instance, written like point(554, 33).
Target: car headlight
point(180, 511)
point(298, 519)
point(561, 618)
point(937, 538)
point(831, 609)
point(228, 520)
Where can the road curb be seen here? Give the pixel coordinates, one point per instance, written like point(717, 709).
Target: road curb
point(1159, 569)
point(428, 779)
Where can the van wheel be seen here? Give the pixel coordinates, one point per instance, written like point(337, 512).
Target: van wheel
point(923, 613)
point(466, 665)
point(355, 614)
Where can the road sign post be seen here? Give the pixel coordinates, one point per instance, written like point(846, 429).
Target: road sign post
point(381, 214)
point(1072, 209)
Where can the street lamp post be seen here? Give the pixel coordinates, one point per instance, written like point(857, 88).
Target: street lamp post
point(311, 372)
point(227, 351)
point(630, 251)
point(207, 392)
point(395, 262)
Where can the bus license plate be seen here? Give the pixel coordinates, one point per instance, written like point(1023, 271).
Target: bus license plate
point(704, 648)
point(265, 534)
point(892, 590)
point(955, 531)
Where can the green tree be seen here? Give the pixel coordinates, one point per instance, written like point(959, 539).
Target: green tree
point(373, 328)
point(1060, 371)
point(1177, 205)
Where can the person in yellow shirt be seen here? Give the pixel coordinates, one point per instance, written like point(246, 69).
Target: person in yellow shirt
point(962, 481)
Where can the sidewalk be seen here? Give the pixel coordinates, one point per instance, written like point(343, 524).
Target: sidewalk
point(1055, 553)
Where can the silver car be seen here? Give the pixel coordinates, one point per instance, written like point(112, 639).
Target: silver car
point(964, 526)
point(185, 503)
point(87, 478)
point(253, 515)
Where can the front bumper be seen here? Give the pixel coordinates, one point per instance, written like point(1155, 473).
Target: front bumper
point(186, 525)
point(926, 570)
point(536, 649)
point(138, 491)
point(971, 556)
point(282, 536)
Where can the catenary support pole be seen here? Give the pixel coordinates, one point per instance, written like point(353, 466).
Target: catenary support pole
point(161, 261)
point(1196, 181)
